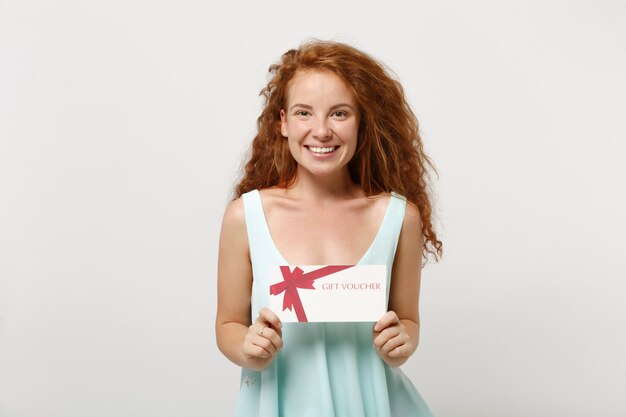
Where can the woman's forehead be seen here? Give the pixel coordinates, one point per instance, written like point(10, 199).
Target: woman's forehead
point(318, 84)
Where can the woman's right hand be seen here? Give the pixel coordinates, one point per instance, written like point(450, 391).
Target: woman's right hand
point(263, 340)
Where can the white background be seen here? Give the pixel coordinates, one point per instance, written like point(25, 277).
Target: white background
point(122, 128)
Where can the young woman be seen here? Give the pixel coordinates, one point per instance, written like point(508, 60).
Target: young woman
point(337, 176)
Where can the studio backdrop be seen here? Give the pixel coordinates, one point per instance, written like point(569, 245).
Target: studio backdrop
point(123, 126)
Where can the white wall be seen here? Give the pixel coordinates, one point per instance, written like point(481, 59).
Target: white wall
point(122, 125)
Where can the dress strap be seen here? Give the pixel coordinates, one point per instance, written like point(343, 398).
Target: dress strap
point(254, 221)
point(397, 219)
point(263, 252)
point(259, 238)
point(384, 248)
point(397, 214)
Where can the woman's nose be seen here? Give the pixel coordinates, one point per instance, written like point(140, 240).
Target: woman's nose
point(321, 130)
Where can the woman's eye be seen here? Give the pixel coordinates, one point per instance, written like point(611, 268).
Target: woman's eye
point(302, 113)
point(340, 113)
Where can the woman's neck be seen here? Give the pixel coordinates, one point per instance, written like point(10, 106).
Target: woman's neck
point(328, 188)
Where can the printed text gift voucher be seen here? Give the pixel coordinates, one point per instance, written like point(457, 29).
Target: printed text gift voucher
point(328, 293)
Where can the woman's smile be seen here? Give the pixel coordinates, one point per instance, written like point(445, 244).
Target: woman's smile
point(322, 151)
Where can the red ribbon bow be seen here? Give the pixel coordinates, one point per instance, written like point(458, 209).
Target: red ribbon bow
point(298, 279)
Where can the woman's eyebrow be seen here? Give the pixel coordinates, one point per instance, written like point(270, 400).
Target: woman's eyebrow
point(306, 106)
point(341, 105)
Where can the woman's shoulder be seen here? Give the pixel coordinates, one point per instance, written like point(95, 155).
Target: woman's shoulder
point(412, 217)
point(234, 215)
point(233, 235)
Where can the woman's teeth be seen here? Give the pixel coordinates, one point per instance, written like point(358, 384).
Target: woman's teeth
point(322, 150)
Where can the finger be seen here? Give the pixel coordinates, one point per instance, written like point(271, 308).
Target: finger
point(393, 344)
point(388, 319)
point(273, 336)
point(262, 328)
point(265, 344)
point(270, 319)
point(252, 347)
point(399, 351)
point(253, 351)
point(256, 346)
point(385, 336)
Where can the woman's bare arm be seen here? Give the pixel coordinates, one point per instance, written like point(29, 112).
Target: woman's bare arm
point(396, 334)
point(250, 345)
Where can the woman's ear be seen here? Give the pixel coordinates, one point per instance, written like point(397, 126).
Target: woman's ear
point(283, 123)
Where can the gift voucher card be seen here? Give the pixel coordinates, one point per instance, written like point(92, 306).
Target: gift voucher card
point(328, 293)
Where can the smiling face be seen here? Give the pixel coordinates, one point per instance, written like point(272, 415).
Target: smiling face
point(321, 123)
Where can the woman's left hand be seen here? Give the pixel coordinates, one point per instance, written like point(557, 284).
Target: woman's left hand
point(393, 339)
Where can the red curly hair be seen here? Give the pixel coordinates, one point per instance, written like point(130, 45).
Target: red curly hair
point(389, 155)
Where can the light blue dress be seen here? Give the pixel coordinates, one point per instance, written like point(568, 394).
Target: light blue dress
point(324, 369)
